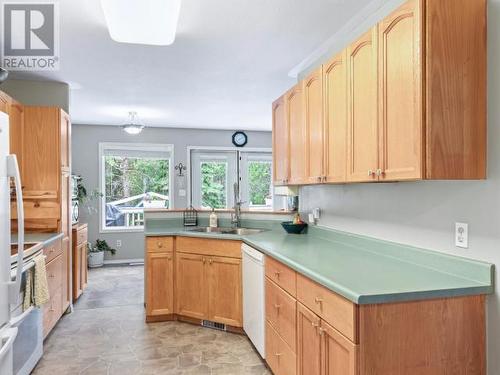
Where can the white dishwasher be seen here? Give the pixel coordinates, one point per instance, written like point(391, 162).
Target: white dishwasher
point(254, 297)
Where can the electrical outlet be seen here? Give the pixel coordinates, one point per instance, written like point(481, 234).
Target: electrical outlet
point(462, 235)
point(118, 243)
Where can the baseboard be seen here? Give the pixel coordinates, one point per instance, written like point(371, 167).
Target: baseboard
point(123, 261)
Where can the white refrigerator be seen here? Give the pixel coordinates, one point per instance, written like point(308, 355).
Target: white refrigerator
point(9, 287)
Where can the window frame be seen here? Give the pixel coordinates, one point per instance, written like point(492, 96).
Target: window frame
point(238, 151)
point(130, 146)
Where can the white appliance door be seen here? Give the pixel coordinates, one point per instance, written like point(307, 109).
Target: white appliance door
point(254, 297)
point(7, 337)
point(4, 222)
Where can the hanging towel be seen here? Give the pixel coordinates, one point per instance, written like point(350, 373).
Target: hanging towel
point(41, 294)
point(28, 290)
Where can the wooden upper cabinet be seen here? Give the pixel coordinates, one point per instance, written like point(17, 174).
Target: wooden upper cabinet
point(16, 131)
point(4, 102)
point(335, 112)
point(280, 142)
point(65, 140)
point(312, 91)
point(224, 290)
point(297, 131)
point(41, 160)
point(362, 128)
point(455, 89)
point(400, 95)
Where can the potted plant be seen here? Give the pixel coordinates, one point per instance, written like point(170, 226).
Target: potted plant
point(86, 199)
point(96, 253)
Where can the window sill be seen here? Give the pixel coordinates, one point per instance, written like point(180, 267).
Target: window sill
point(121, 230)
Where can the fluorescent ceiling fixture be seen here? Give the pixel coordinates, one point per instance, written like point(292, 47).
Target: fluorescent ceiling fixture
point(151, 22)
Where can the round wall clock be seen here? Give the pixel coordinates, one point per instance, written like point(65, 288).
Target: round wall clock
point(240, 139)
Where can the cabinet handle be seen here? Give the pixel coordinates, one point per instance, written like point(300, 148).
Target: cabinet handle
point(318, 300)
point(210, 261)
point(370, 173)
point(169, 257)
point(51, 250)
point(315, 324)
point(319, 178)
point(380, 172)
point(277, 354)
point(52, 276)
point(321, 331)
point(277, 306)
point(203, 260)
point(277, 274)
point(36, 204)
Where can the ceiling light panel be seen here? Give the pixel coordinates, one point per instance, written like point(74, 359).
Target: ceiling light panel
point(152, 22)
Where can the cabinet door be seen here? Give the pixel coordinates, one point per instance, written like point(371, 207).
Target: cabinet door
point(77, 272)
point(400, 95)
point(338, 354)
point(298, 140)
point(66, 274)
point(313, 115)
point(224, 291)
point(363, 130)
point(84, 267)
point(16, 120)
point(191, 290)
point(308, 342)
point(41, 174)
point(280, 142)
point(335, 105)
point(159, 284)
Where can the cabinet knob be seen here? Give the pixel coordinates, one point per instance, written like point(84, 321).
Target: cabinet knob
point(210, 261)
point(160, 244)
point(36, 204)
point(315, 324)
point(380, 172)
point(277, 354)
point(319, 178)
point(321, 331)
point(203, 260)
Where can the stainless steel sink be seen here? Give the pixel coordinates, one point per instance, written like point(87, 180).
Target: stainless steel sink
point(222, 230)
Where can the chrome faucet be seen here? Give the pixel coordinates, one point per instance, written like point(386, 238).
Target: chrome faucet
point(236, 215)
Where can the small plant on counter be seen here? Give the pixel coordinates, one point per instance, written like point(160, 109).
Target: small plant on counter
point(96, 253)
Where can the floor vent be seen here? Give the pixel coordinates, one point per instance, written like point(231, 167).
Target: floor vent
point(213, 325)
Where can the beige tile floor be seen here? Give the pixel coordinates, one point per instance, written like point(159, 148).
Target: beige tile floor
point(106, 334)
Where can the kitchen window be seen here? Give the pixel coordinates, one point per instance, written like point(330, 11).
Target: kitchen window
point(133, 177)
point(214, 173)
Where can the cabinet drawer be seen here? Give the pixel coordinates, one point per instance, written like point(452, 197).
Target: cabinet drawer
point(285, 277)
point(334, 309)
point(204, 246)
point(281, 312)
point(280, 358)
point(54, 274)
point(52, 251)
point(81, 236)
point(52, 311)
point(159, 244)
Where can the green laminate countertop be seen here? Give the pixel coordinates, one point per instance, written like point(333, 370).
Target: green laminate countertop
point(362, 269)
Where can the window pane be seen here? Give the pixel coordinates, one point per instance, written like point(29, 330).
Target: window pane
point(259, 181)
point(214, 184)
point(133, 183)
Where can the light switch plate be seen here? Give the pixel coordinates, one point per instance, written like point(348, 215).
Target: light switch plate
point(462, 235)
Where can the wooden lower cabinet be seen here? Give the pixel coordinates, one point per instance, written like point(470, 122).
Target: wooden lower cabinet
point(80, 268)
point(188, 277)
point(160, 276)
point(56, 282)
point(191, 293)
point(308, 342)
point(66, 274)
point(225, 291)
point(280, 358)
point(339, 356)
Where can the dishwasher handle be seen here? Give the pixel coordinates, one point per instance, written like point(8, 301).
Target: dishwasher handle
point(252, 253)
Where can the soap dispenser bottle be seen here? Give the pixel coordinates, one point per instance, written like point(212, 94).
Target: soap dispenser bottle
point(213, 219)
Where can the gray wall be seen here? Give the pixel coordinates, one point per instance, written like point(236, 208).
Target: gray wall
point(424, 213)
point(85, 155)
point(29, 92)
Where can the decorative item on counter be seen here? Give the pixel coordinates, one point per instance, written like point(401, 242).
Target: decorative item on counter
point(213, 219)
point(296, 226)
point(190, 216)
point(180, 167)
point(96, 253)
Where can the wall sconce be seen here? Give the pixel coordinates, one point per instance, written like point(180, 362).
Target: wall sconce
point(180, 167)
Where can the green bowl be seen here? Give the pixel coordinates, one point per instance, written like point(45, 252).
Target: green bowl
point(292, 228)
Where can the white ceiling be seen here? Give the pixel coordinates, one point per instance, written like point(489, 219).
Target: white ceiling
point(230, 60)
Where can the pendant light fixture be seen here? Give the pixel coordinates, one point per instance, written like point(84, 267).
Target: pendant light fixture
point(133, 127)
